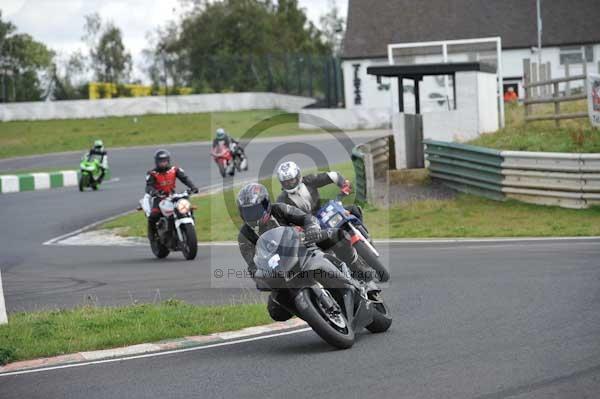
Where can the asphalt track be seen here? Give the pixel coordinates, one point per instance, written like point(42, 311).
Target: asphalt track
point(484, 321)
point(471, 320)
point(37, 276)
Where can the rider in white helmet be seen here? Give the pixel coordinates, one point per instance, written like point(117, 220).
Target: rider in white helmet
point(303, 192)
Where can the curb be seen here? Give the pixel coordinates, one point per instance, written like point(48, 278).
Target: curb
point(40, 181)
point(147, 348)
point(37, 181)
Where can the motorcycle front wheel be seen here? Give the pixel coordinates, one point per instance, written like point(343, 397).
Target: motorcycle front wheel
point(383, 274)
point(332, 327)
point(190, 242)
point(82, 181)
point(222, 170)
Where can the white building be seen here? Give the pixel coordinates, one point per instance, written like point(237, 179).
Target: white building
point(571, 34)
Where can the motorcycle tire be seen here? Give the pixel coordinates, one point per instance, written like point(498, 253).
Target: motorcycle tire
point(190, 248)
point(310, 311)
point(382, 320)
point(82, 182)
point(382, 272)
point(222, 170)
point(158, 249)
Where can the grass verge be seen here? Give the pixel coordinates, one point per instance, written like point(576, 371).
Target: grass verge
point(471, 216)
point(19, 138)
point(50, 333)
point(463, 216)
point(573, 135)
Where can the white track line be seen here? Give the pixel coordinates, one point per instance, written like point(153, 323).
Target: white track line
point(157, 354)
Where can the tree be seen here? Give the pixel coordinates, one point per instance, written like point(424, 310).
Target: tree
point(69, 82)
point(23, 62)
point(333, 25)
point(236, 45)
point(110, 60)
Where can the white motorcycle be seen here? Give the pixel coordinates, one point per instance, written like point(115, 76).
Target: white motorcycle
point(175, 230)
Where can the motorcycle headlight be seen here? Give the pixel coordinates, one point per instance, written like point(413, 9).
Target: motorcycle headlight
point(183, 206)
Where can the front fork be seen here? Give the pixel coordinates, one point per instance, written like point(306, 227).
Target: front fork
point(358, 236)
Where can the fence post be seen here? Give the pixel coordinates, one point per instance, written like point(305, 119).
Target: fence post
point(585, 78)
point(567, 74)
point(556, 104)
point(534, 78)
point(526, 80)
point(549, 76)
point(542, 76)
point(3, 317)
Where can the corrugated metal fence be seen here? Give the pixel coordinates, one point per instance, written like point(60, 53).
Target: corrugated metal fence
point(372, 160)
point(566, 180)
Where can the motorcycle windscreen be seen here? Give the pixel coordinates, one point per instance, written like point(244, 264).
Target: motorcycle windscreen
point(277, 251)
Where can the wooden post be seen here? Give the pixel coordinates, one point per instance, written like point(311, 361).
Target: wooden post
point(585, 78)
point(556, 104)
point(568, 85)
point(3, 317)
point(526, 81)
point(542, 76)
point(549, 76)
point(534, 78)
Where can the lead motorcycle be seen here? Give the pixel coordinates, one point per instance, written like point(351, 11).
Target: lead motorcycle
point(175, 230)
point(318, 288)
point(334, 215)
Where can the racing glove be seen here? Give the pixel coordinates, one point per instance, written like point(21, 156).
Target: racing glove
point(313, 235)
point(346, 188)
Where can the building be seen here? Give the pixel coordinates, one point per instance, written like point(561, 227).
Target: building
point(571, 34)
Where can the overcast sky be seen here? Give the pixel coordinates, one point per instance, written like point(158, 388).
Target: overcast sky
point(59, 23)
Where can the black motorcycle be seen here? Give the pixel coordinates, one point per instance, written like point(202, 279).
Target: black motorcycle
point(318, 288)
point(175, 229)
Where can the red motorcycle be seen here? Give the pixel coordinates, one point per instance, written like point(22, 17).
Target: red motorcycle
point(224, 159)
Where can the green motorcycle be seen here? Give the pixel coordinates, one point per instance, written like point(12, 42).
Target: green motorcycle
point(90, 171)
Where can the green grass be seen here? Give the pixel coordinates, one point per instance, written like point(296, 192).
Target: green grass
point(21, 138)
point(463, 216)
point(49, 333)
point(471, 216)
point(574, 135)
point(217, 217)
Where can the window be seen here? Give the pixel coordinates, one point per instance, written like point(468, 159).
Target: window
point(576, 54)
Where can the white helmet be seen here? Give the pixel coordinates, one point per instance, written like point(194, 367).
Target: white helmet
point(290, 176)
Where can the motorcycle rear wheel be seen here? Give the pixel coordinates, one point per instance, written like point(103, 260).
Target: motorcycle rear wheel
point(382, 320)
point(383, 274)
point(190, 247)
point(158, 249)
point(329, 328)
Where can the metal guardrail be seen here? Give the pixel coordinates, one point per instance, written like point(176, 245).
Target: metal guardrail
point(371, 161)
point(566, 180)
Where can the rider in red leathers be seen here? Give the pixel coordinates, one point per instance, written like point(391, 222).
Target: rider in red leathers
point(160, 183)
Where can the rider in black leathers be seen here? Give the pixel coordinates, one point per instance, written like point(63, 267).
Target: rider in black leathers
point(259, 215)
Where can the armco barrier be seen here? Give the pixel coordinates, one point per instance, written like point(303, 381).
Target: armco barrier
point(38, 181)
point(566, 180)
point(372, 160)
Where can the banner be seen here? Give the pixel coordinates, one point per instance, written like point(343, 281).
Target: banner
point(593, 87)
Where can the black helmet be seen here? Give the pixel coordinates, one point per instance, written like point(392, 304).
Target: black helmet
point(254, 204)
point(160, 157)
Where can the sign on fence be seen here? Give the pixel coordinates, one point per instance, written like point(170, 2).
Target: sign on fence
point(593, 86)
